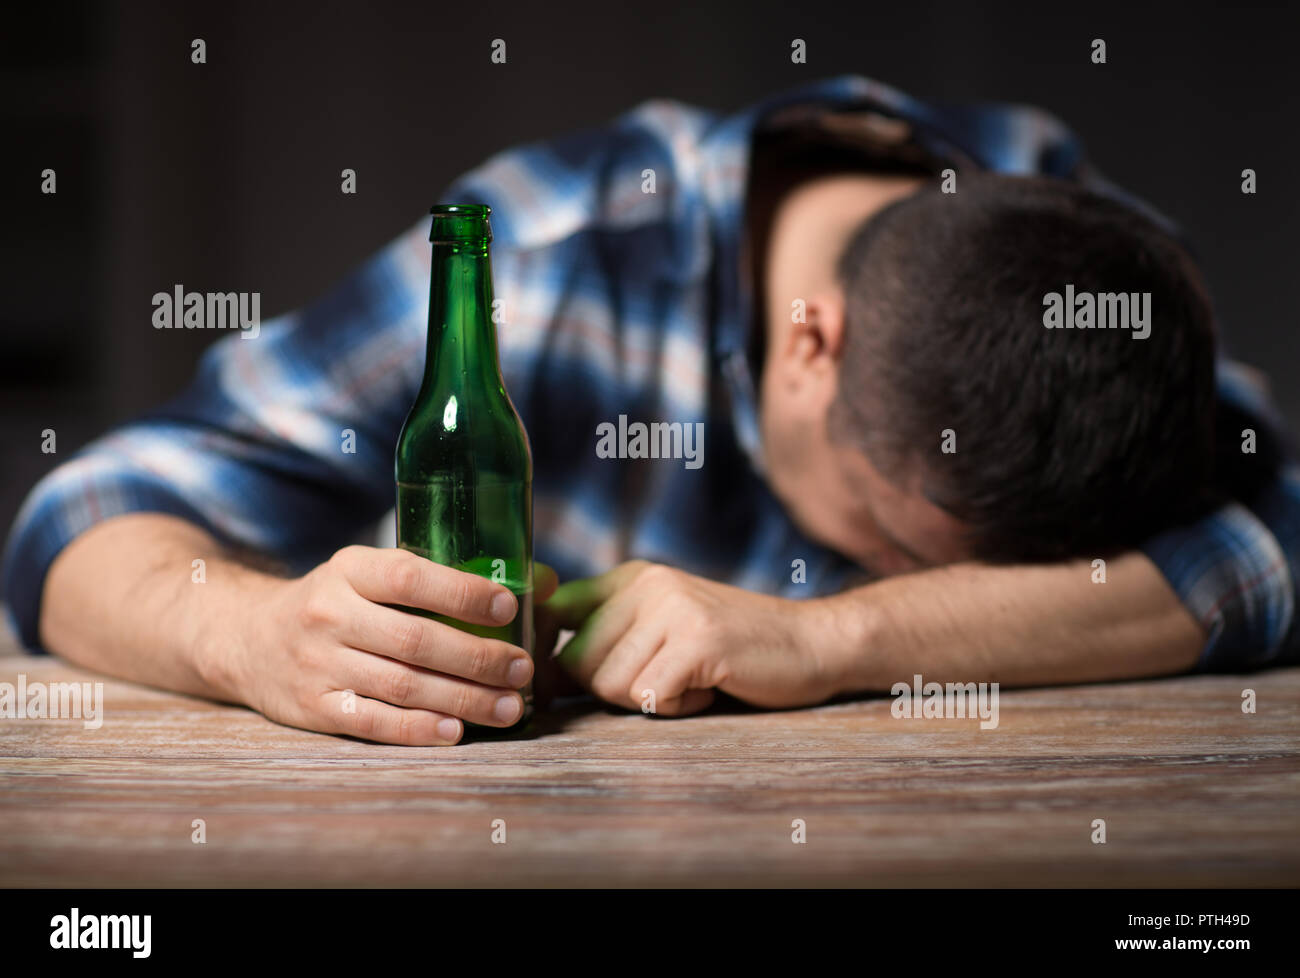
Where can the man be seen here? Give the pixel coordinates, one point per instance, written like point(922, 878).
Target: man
point(892, 432)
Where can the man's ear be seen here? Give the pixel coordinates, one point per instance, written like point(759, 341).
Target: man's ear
point(823, 334)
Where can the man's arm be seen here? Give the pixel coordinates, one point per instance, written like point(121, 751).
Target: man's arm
point(281, 446)
point(1020, 625)
point(117, 600)
point(648, 627)
point(327, 651)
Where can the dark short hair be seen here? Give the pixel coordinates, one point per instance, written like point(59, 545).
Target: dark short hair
point(1068, 441)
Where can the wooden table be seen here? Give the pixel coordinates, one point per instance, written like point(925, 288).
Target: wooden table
point(1192, 791)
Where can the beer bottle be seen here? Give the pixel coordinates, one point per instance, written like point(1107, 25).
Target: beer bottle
point(464, 468)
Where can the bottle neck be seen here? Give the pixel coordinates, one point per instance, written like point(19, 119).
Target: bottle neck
point(462, 352)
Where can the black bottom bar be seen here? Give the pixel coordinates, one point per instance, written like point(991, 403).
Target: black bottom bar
point(484, 928)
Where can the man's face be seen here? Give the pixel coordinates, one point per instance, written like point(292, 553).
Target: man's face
point(831, 490)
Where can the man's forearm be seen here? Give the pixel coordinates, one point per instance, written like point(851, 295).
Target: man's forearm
point(1022, 625)
point(122, 599)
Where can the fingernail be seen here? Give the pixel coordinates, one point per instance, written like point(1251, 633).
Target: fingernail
point(520, 670)
point(448, 729)
point(507, 709)
point(503, 606)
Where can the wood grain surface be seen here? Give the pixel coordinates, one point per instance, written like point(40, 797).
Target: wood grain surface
point(1193, 792)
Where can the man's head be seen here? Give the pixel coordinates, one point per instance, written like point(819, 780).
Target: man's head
point(924, 413)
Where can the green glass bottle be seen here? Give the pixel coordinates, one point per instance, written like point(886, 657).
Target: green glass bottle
point(464, 468)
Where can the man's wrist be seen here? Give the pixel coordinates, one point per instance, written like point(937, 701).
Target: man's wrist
point(847, 636)
point(224, 624)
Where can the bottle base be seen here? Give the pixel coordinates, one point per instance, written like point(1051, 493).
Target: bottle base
point(522, 730)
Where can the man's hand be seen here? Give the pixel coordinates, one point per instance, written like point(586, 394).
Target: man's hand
point(645, 629)
point(328, 651)
point(121, 599)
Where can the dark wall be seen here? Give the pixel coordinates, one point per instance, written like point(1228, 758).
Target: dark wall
point(225, 176)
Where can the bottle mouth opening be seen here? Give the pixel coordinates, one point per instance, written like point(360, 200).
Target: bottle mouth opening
point(460, 222)
point(468, 210)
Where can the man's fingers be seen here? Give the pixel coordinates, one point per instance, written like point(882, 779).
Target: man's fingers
point(669, 677)
point(404, 685)
point(692, 701)
point(358, 716)
point(574, 601)
point(599, 633)
point(599, 609)
point(613, 679)
point(432, 645)
point(545, 581)
point(403, 578)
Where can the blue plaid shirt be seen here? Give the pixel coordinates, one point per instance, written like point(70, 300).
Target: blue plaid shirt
point(616, 302)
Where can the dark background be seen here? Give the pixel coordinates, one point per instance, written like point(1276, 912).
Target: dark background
point(225, 176)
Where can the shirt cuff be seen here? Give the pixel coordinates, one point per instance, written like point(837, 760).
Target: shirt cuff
point(1231, 573)
point(66, 503)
